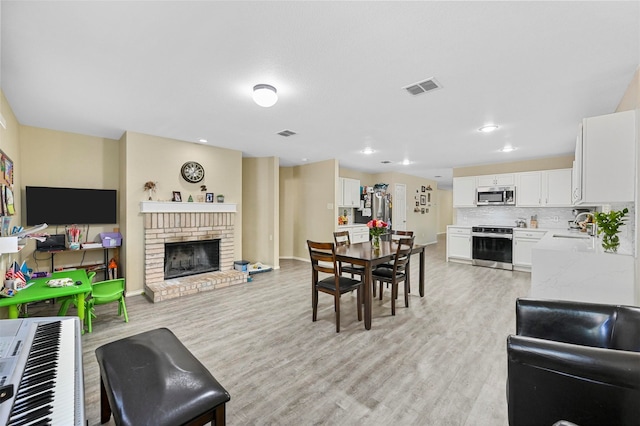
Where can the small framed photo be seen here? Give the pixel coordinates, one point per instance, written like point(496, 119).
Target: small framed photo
point(423, 200)
point(417, 203)
point(177, 197)
point(209, 198)
point(422, 210)
point(424, 188)
point(428, 197)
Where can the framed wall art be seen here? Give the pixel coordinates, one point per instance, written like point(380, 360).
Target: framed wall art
point(177, 197)
point(423, 200)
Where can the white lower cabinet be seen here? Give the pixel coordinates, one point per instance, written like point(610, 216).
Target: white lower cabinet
point(523, 242)
point(359, 234)
point(459, 243)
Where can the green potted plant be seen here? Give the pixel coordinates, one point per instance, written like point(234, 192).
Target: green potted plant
point(609, 224)
point(220, 198)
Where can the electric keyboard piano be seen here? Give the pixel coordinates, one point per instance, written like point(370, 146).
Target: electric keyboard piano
point(41, 379)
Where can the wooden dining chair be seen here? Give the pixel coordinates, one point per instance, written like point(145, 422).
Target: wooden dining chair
point(323, 260)
point(342, 238)
point(398, 273)
point(394, 237)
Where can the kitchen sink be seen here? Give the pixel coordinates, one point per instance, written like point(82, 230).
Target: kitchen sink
point(577, 237)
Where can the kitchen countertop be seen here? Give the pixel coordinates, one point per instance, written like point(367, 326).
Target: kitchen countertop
point(571, 241)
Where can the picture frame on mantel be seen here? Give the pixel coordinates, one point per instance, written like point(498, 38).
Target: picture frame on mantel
point(209, 198)
point(177, 197)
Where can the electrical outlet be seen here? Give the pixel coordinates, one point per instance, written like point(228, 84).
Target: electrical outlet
point(555, 218)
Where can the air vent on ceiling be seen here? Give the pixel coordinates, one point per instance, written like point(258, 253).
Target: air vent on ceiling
point(423, 86)
point(287, 133)
point(385, 161)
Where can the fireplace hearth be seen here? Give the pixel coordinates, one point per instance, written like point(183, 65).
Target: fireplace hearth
point(182, 259)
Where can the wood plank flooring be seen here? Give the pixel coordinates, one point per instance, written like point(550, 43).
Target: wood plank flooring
point(442, 361)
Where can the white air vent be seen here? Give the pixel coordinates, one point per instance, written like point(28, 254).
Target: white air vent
point(287, 133)
point(385, 161)
point(423, 86)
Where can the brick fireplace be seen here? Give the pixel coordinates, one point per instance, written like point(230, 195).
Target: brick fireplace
point(170, 222)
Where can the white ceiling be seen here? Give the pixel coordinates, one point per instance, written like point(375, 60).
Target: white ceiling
point(185, 70)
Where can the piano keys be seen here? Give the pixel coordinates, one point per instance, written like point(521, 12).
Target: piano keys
point(41, 365)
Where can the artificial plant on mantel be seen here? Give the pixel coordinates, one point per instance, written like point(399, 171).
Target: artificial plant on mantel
point(609, 224)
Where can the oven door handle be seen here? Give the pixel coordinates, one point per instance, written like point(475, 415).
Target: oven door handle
point(490, 235)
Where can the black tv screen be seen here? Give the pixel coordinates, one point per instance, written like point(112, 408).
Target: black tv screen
point(67, 206)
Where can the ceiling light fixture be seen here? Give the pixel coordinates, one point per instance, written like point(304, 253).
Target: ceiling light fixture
point(406, 162)
point(265, 95)
point(368, 150)
point(508, 149)
point(488, 128)
point(202, 140)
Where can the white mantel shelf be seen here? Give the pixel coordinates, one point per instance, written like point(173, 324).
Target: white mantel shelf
point(185, 207)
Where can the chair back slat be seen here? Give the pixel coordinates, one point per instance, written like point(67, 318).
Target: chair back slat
point(341, 238)
point(323, 257)
point(403, 254)
point(398, 235)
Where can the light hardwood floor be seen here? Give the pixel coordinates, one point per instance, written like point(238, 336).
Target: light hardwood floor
point(442, 361)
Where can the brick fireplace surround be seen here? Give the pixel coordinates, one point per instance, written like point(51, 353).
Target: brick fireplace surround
point(181, 222)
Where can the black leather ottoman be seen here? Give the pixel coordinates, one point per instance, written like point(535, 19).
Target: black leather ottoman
point(152, 379)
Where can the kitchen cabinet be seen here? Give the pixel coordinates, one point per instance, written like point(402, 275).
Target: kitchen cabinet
point(464, 191)
point(357, 233)
point(605, 159)
point(350, 193)
point(458, 243)
point(506, 179)
point(546, 188)
point(523, 242)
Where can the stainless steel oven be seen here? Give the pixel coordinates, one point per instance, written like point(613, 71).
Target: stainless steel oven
point(492, 246)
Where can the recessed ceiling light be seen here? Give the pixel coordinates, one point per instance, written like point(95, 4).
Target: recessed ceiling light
point(305, 159)
point(406, 162)
point(508, 149)
point(368, 150)
point(488, 128)
point(202, 140)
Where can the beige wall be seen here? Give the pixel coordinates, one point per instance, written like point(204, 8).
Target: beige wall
point(260, 202)
point(550, 163)
point(160, 159)
point(445, 210)
point(308, 209)
point(10, 144)
point(63, 159)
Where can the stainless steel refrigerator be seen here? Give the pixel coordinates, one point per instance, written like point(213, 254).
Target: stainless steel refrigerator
point(381, 206)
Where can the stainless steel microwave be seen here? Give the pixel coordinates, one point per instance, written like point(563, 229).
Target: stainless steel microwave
point(496, 196)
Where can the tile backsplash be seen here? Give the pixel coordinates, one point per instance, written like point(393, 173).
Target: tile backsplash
point(548, 218)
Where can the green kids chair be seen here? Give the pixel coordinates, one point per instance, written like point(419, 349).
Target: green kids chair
point(67, 301)
point(104, 292)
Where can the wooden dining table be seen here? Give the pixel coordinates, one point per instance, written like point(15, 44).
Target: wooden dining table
point(364, 254)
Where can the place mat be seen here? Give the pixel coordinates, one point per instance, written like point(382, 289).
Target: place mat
point(60, 282)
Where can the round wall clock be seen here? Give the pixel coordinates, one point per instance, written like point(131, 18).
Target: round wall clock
point(192, 172)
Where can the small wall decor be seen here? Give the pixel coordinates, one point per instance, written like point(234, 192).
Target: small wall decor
point(176, 197)
point(422, 210)
point(424, 189)
point(429, 188)
point(417, 203)
point(428, 197)
point(423, 200)
point(209, 198)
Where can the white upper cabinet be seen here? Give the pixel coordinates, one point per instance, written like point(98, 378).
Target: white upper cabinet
point(350, 196)
point(557, 188)
point(464, 191)
point(605, 157)
point(546, 188)
point(506, 179)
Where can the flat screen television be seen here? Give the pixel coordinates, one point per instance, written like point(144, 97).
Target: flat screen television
point(67, 206)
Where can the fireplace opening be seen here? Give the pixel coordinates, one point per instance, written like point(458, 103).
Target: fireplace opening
point(191, 258)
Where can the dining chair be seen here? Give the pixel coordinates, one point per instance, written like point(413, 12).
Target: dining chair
point(342, 238)
point(66, 302)
point(104, 292)
point(323, 260)
point(398, 273)
point(395, 235)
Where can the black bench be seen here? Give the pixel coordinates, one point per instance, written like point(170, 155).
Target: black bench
point(152, 379)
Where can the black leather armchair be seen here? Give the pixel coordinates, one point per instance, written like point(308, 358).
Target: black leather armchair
point(574, 361)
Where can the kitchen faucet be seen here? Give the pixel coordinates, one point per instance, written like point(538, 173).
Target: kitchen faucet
point(576, 220)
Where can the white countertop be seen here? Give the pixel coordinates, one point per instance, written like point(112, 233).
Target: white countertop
point(556, 240)
point(352, 225)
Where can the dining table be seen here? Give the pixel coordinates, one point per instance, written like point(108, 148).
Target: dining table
point(39, 290)
point(364, 254)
